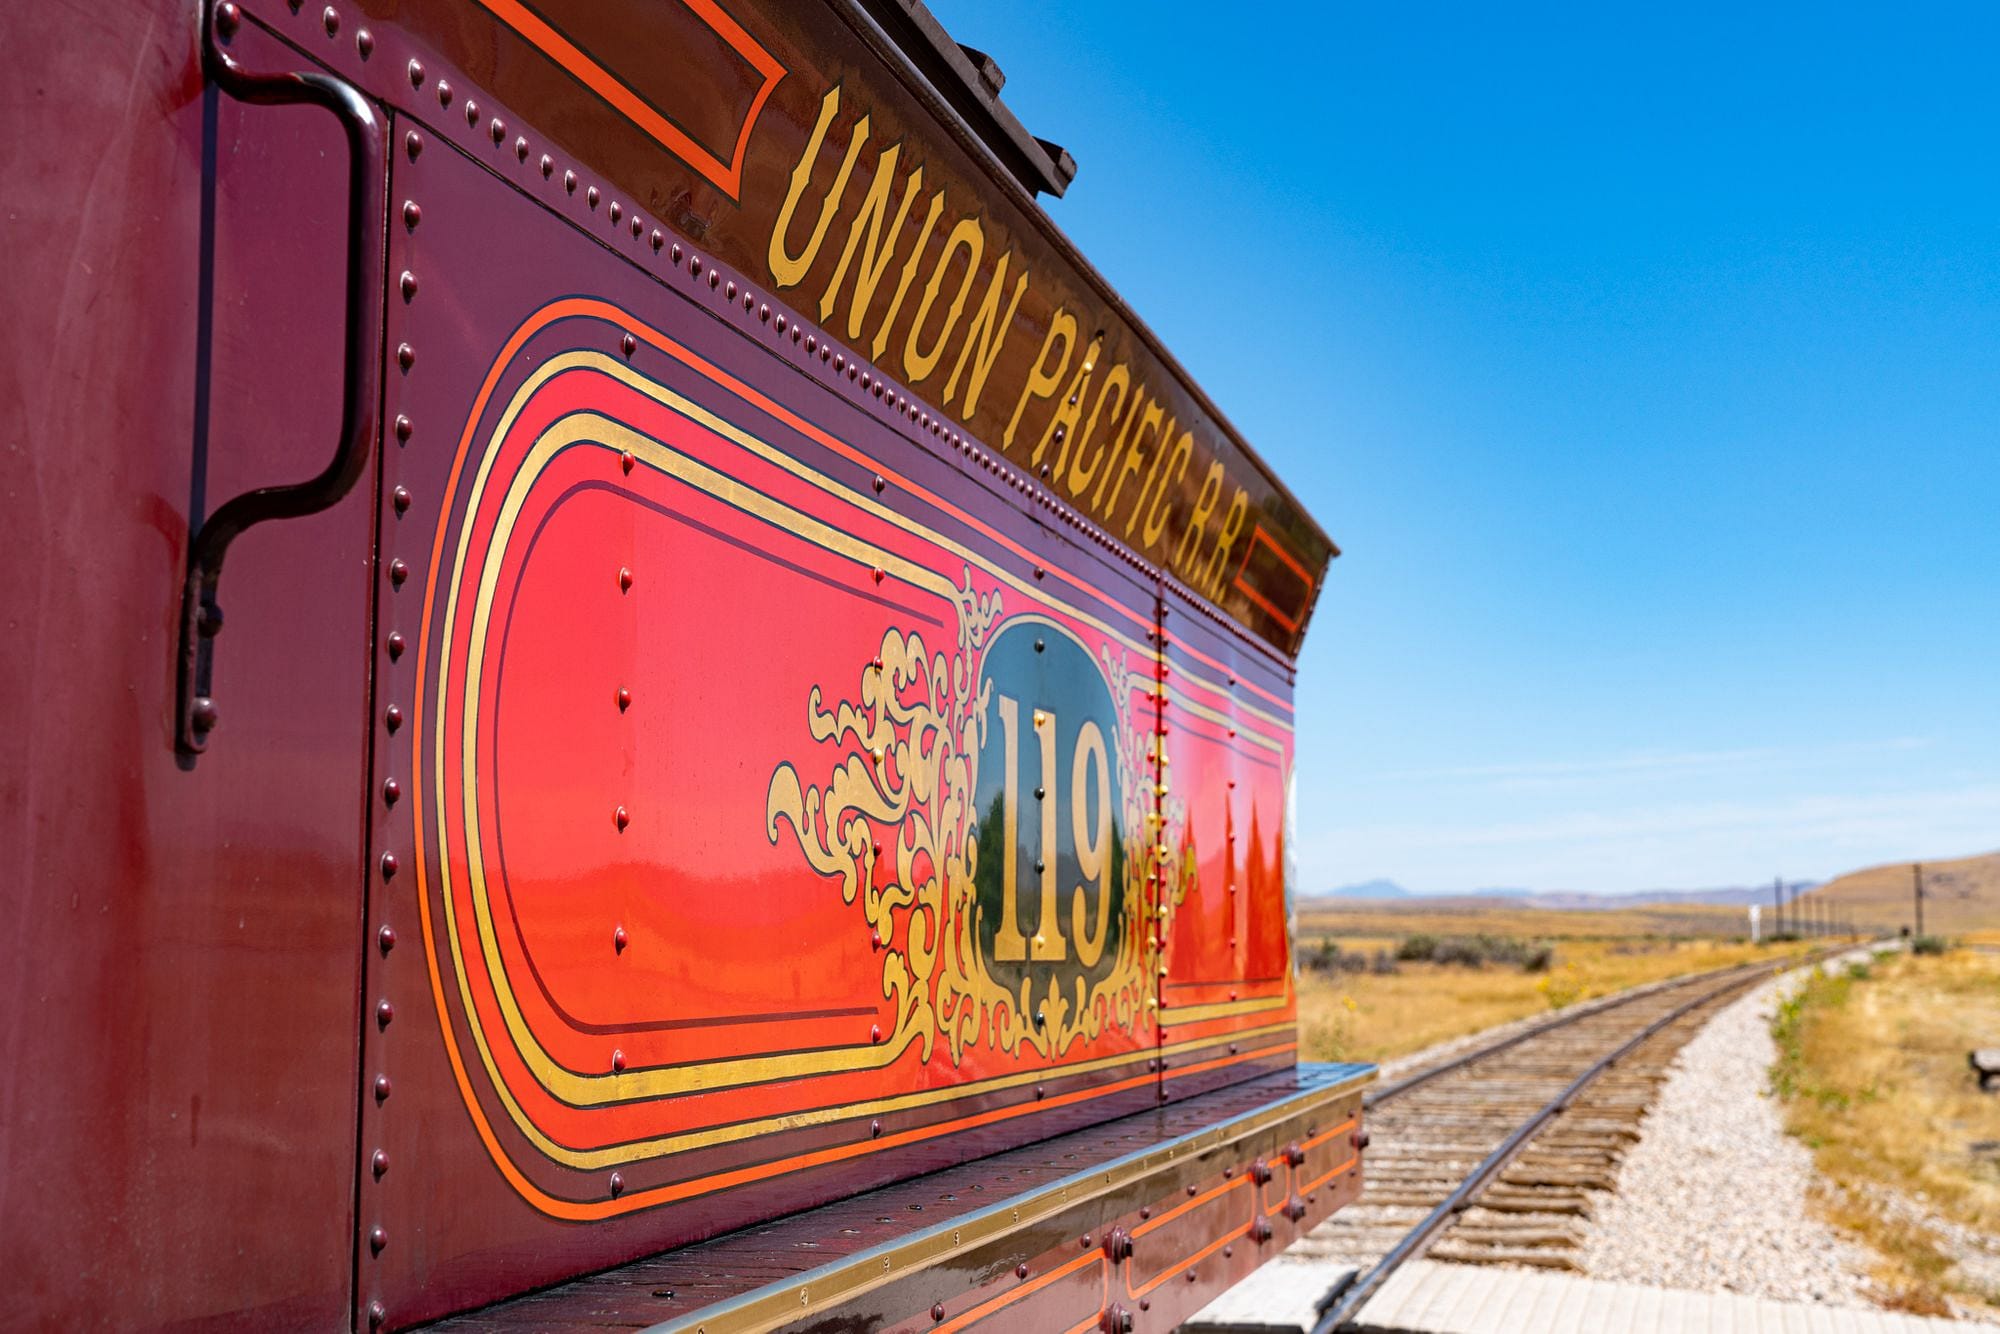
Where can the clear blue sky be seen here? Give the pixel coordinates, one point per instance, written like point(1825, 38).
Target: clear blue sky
point(1647, 366)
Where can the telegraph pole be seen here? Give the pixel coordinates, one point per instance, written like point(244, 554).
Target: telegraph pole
point(1917, 884)
point(1778, 907)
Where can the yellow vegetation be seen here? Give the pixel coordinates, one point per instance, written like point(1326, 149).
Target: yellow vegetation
point(1365, 1016)
point(1872, 1066)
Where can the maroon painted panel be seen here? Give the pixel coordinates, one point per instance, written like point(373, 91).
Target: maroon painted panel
point(177, 1080)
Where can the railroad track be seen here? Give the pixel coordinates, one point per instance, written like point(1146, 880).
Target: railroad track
point(1490, 1157)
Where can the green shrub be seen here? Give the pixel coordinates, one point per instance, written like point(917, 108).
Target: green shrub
point(1929, 945)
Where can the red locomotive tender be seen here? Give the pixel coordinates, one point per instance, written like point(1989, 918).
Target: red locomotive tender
point(751, 785)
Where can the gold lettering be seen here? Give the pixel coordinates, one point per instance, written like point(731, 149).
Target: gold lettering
point(1119, 379)
point(985, 337)
point(1204, 505)
point(972, 237)
point(909, 272)
point(1093, 841)
point(879, 248)
point(1042, 383)
point(1049, 943)
point(1117, 449)
point(1170, 478)
point(1225, 542)
point(1129, 465)
point(1009, 946)
point(789, 270)
point(1070, 411)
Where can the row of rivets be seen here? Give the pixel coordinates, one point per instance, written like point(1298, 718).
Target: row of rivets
point(897, 401)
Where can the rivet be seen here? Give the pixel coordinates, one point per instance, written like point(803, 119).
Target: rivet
point(406, 356)
point(729, 292)
point(618, 939)
point(637, 227)
point(416, 74)
point(204, 716)
point(1021, 1270)
point(378, 1237)
point(616, 211)
point(389, 866)
point(413, 144)
point(764, 314)
point(674, 254)
point(877, 574)
point(378, 1314)
point(409, 284)
point(1228, 1251)
point(1145, 1303)
point(381, 1088)
point(779, 323)
point(444, 93)
point(412, 215)
point(386, 938)
point(1086, 1241)
point(714, 277)
point(1145, 1211)
point(401, 499)
point(1039, 572)
point(399, 570)
point(1039, 646)
point(590, 196)
point(880, 484)
point(379, 1164)
point(395, 645)
point(617, 1061)
point(937, 1310)
point(497, 130)
point(548, 166)
point(1040, 1093)
point(617, 1184)
point(521, 149)
point(393, 717)
point(471, 112)
point(621, 817)
point(227, 17)
point(875, 1129)
point(1191, 1192)
point(364, 43)
point(391, 790)
point(629, 344)
point(657, 240)
point(331, 20)
point(403, 428)
point(875, 1032)
point(624, 698)
point(1190, 1275)
point(624, 578)
point(694, 266)
point(569, 182)
point(385, 1014)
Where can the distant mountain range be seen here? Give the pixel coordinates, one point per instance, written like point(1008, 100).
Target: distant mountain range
point(1734, 896)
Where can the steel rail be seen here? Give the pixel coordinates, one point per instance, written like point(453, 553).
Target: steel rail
point(1384, 1092)
point(1418, 1239)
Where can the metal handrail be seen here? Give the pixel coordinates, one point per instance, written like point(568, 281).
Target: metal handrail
point(367, 252)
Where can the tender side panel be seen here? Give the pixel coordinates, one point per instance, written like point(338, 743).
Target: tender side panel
point(1228, 1002)
point(178, 1087)
point(773, 796)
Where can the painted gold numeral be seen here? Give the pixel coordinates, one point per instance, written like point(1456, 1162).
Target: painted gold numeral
point(1090, 823)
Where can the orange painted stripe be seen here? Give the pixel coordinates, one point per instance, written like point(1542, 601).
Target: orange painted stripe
point(615, 91)
point(1027, 1288)
point(583, 1211)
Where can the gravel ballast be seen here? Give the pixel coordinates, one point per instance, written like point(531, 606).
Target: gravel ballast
point(1713, 1197)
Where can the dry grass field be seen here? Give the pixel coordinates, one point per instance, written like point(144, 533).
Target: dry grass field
point(1873, 1072)
point(1370, 1015)
point(1960, 897)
